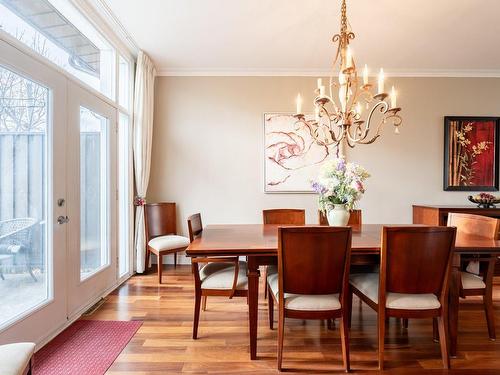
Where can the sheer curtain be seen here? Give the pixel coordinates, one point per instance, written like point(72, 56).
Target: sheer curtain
point(142, 144)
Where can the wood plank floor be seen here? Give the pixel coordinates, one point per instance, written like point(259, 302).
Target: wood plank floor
point(163, 344)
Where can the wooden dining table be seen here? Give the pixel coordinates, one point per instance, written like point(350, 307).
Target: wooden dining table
point(259, 244)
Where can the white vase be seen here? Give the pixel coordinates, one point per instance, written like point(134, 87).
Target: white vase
point(338, 216)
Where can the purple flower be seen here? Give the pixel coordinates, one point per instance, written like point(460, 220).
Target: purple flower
point(341, 165)
point(318, 188)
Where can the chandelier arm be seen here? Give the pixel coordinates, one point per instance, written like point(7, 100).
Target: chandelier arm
point(382, 106)
point(332, 121)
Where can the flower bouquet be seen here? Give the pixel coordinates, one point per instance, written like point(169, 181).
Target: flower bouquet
point(340, 187)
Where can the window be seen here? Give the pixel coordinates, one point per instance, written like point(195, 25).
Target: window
point(123, 82)
point(56, 30)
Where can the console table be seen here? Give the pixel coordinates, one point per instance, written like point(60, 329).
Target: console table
point(438, 215)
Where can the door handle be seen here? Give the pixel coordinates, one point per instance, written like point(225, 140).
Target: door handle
point(62, 219)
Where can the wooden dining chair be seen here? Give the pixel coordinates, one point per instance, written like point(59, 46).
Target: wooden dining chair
point(282, 216)
point(482, 284)
point(355, 219)
point(305, 288)
point(161, 233)
point(218, 276)
point(415, 268)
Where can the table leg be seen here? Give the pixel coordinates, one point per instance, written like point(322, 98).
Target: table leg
point(253, 303)
point(453, 304)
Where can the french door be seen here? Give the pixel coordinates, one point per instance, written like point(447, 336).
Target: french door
point(33, 247)
point(58, 198)
point(92, 200)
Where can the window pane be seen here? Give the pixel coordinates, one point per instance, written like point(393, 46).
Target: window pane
point(24, 275)
point(124, 194)
point(94, 182)
point(58, 31)
point(124, 82)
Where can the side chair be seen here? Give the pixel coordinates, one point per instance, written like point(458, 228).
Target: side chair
point(415, 268)
point(282, 216)
point(161, 233)
point(304, 288)
point(482, 284)
point(218, 276)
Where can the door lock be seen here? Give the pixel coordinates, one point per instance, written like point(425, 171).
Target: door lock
point(62, 219)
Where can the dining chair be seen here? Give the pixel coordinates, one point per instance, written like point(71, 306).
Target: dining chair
point(415, 268)
point(161, 233)
point(218, 276)
point(305, 288)
point(355, 219)
point(470, 283)
point(282, 216)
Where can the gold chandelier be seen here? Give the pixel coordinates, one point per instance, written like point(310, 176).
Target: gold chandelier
point(342, 120)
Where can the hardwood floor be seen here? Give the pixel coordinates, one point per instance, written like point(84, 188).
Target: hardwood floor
point(163, 345)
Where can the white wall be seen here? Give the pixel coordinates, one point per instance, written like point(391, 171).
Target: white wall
point(208, 146)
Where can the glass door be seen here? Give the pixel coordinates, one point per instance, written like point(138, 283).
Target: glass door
point(92, 260)
point(32, 192)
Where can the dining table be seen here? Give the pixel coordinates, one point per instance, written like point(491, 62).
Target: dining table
point(259, 244)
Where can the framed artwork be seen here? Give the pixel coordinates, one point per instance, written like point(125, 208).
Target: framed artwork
point(471, 153)
point(292, 157)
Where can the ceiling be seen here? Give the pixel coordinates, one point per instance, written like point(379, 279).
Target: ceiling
point(293, 37)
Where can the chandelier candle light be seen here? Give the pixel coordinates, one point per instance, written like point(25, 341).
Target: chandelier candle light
point(336, 122)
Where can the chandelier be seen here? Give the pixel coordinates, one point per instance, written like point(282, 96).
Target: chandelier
point(341, 120)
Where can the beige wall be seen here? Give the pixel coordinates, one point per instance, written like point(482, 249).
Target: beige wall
point(208, 146)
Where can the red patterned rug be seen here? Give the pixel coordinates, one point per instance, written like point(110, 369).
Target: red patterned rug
point(87, 347)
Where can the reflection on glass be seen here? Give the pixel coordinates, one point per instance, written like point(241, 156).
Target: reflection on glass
point(56, 30)
point(94, 182)
point(25, 275)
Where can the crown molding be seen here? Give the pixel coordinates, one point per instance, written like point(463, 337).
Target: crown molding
point(106, 19)
point(451, 73)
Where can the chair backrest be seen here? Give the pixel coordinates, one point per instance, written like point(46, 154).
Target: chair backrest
point(288, 216)
point(160, 219)
point(355, 219)
point(314, 260)
point(477, 225)
point(416, 259)
point(195, 226)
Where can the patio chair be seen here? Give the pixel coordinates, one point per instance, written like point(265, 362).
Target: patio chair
point(16, 240)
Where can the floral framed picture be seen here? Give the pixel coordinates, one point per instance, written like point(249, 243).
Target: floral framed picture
point(471, 153)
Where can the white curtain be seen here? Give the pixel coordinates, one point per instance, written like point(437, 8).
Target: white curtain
point(142, 143)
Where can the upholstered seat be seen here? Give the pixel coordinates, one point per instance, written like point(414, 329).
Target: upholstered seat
point(471, 281)
point(322, 302)
point(15, 358)
point(221, 276)
point(168, 242)
point(368, 283)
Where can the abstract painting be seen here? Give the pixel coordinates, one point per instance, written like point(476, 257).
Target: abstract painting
point(471, 153)
point(292, 157)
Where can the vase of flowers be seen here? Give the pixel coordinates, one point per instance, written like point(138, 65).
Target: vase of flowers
point(339, 187)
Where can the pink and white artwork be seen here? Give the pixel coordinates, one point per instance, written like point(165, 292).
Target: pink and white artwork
point(292, 157)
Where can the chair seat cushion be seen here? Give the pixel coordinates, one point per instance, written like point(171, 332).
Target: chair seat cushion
point(471, 281)
point(169, 242)
point(367, 283)
point(221, 276)
point(303, 302)
point(14, 358)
